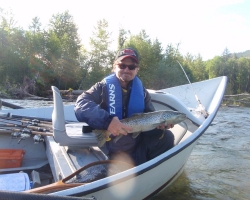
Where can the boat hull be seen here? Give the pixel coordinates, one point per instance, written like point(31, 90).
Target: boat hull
point(143, 181)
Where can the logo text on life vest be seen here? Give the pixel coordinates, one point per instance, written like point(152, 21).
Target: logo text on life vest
point(111, 99)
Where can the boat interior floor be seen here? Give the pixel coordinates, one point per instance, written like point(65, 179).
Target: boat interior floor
point(61, 161)
point(65, 160)
point(34, 157)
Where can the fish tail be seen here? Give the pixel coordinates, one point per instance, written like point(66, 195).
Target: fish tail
point(102, 136)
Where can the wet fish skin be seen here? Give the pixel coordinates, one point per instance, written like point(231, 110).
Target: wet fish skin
point(143, 122)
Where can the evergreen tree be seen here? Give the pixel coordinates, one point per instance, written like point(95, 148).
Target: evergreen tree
point(100, 57)
point(62, 50)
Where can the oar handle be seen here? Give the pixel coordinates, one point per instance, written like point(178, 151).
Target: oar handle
point(62, 185)
point(54, 187)
point(10, 105)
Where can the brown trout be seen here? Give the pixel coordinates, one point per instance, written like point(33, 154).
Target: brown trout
point(143, 122)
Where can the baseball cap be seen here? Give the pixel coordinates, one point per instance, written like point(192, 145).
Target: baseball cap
point(127, 53)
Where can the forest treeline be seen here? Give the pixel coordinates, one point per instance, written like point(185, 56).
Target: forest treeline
point(56, 56)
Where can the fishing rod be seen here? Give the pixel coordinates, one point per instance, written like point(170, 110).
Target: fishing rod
point(35, 128)
point(30, 123)
point(38, 133)
point(202, 108)
point(25, 130)
point(37, 121)
point(36, 124)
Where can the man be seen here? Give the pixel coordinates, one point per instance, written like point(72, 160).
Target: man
point(118, 96)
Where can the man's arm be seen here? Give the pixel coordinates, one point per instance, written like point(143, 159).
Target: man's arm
point(87, 108)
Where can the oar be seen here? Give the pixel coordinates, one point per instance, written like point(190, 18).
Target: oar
point(111, 166)
point(11, 195)
point(10, 105)
point(25, 131)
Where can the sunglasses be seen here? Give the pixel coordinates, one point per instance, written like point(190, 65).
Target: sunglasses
point(130, 67)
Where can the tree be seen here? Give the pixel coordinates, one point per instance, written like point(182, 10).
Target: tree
point(172, 71)
point(12, 48)
point(62, 50)
point(197, 68)
point(150, 55)
point(226, 54)
point(100, 57)
point(122, 38)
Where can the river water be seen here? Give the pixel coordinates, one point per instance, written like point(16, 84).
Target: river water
point(219, 166)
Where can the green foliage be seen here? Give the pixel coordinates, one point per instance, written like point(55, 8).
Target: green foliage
point(245, 54)
point(196, 68)
point(149, 56)
point(99, 59)
point(63, 45)
point(236, 69)
point(122, 38)
point(56, 57)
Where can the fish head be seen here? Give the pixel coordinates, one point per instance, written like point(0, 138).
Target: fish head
point(173, 117)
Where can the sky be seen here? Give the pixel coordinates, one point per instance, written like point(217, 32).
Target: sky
point(204, 27)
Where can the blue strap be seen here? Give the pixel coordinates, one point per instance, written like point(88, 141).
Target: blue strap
point(114, 96)
point(136, 100)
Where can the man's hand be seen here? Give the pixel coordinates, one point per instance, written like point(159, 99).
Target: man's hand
point(163, 126)
point(116, 127)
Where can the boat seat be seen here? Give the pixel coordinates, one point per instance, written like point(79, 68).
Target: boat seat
point(69, 134)
point(179, 132)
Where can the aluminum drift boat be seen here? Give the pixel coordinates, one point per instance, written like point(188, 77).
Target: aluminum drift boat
point(68, 150)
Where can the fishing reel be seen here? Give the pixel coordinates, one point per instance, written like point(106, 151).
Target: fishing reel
point(25, 133)
point(38, 138)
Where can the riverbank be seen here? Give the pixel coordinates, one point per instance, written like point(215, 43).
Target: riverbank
point(237, 100)
point(71, 96)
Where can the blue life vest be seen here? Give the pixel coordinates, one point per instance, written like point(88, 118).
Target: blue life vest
point(135, 105)
point(114, 98)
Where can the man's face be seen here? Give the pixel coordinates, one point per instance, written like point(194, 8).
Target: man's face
point(126, 75)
